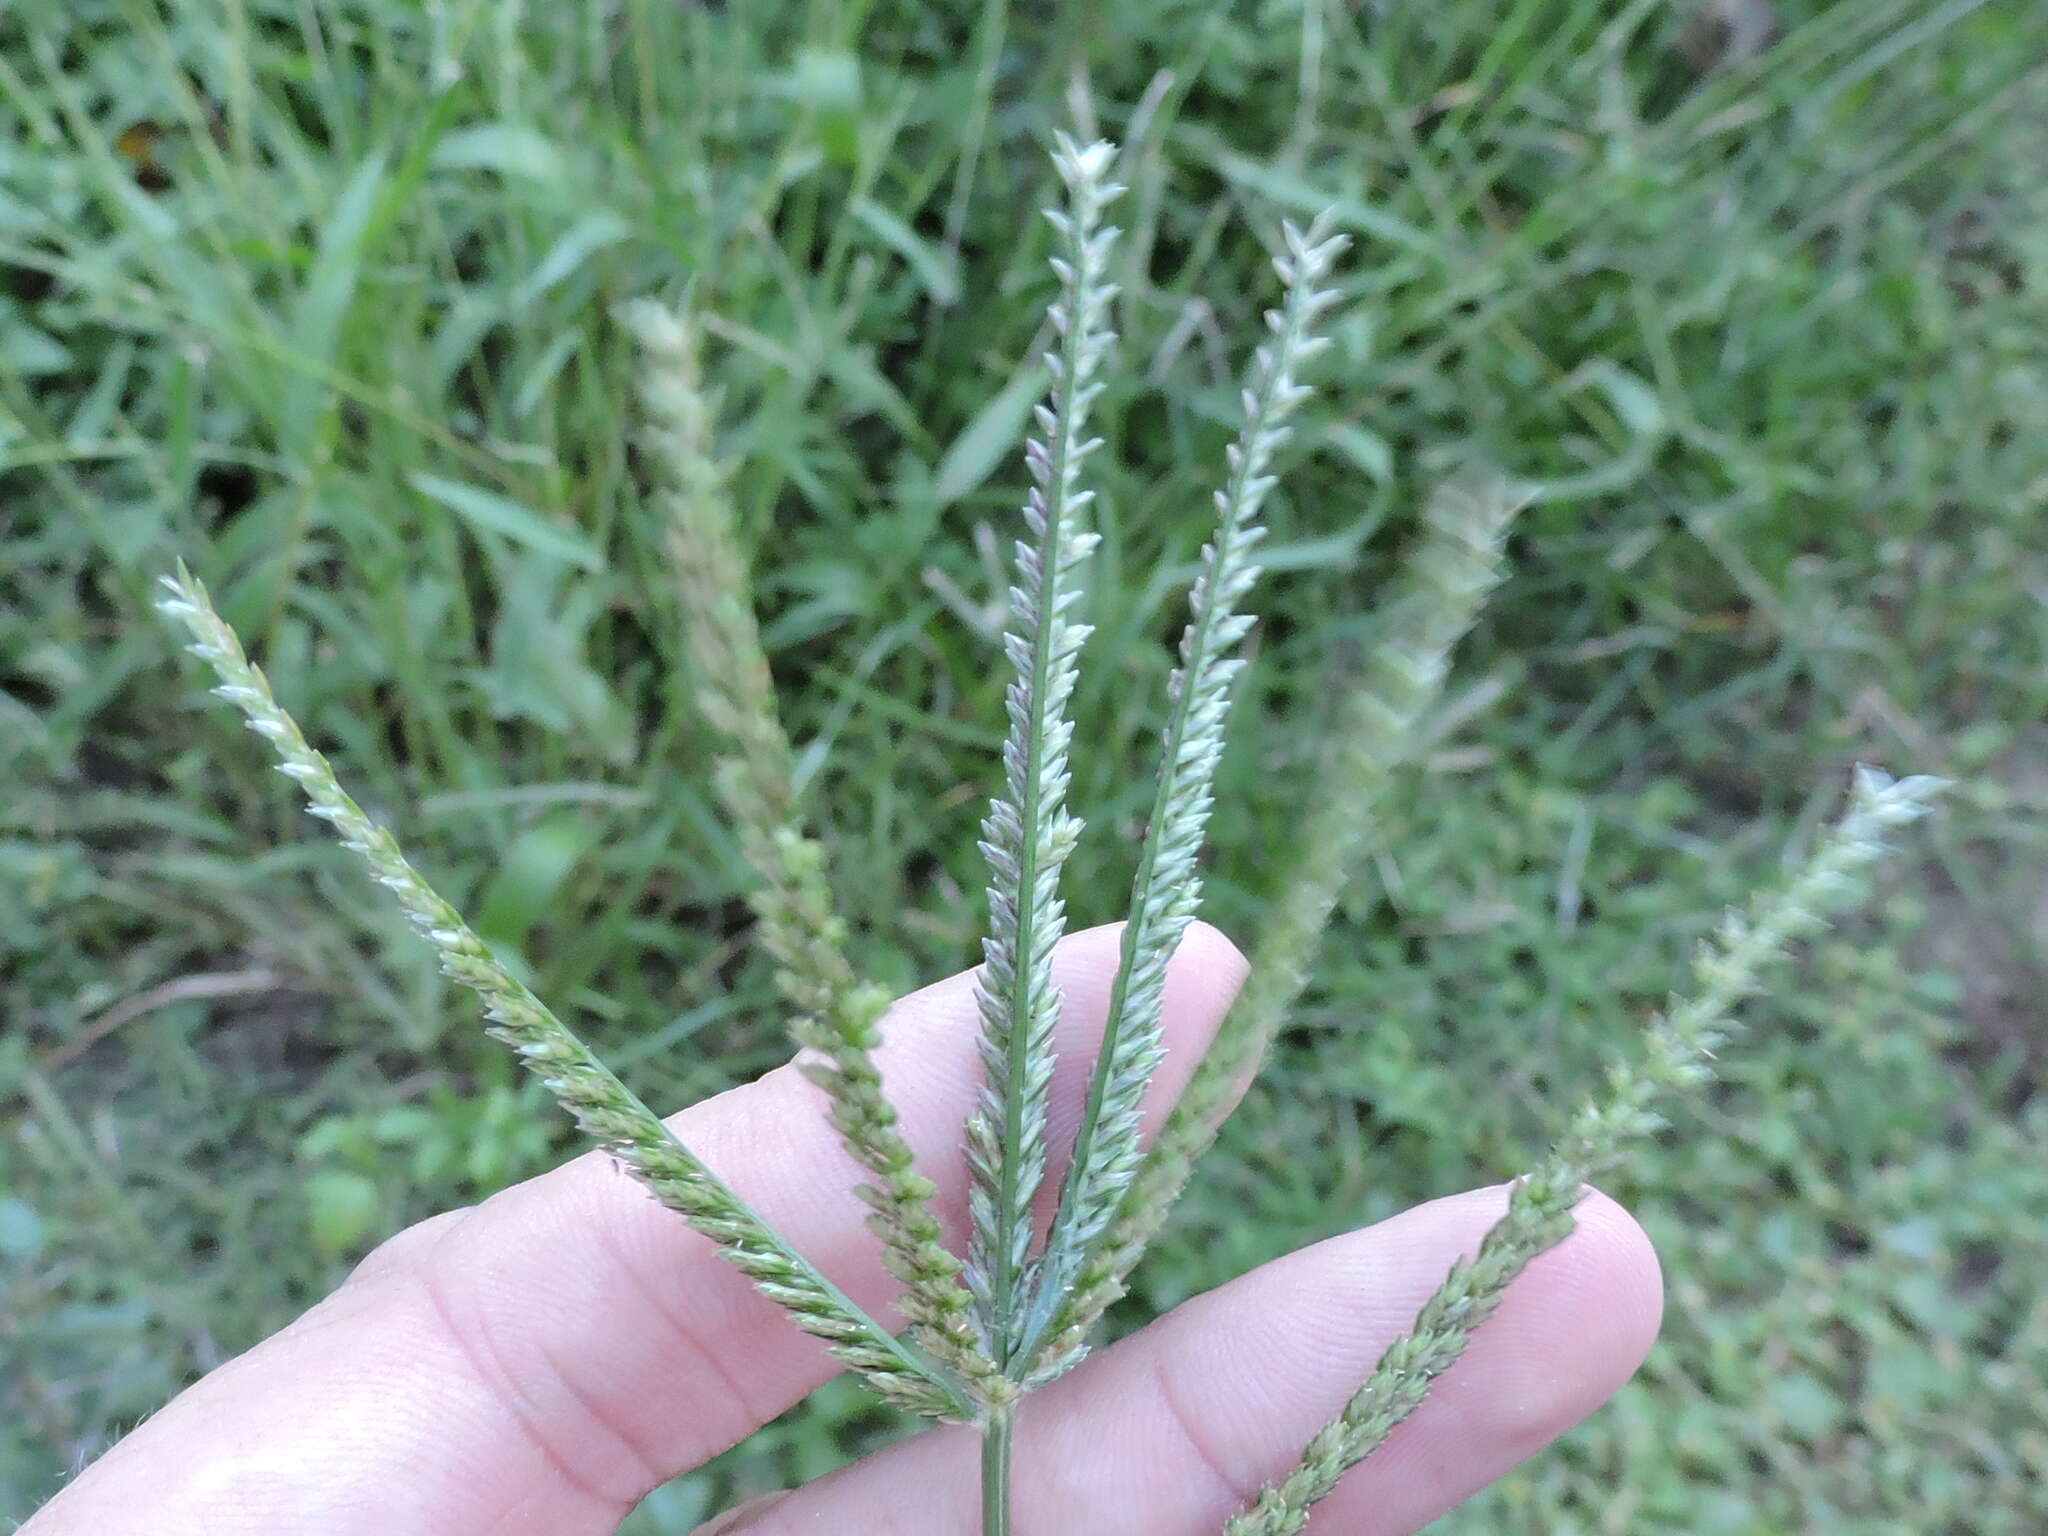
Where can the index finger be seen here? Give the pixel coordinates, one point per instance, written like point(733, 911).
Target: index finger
point(540, 1362)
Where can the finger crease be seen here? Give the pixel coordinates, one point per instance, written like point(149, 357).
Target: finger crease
point(647, 1473)
point(486, 1365)
point(712, 1362)
point(1185, 1425)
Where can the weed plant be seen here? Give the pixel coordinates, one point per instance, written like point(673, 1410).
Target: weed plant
point(978, 1332)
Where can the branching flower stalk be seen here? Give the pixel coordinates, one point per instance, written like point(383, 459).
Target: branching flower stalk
point(837, 1015)
point(1029, 832)
point(1167, 888)
point(1680, 1048)
point(1015, 1313)
point(603, 1107)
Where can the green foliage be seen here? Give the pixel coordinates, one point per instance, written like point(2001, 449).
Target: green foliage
point(1773, 322)
point(1682, 1044)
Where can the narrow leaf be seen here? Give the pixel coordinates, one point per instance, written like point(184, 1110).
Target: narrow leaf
point(510, 519)
point(985, 440)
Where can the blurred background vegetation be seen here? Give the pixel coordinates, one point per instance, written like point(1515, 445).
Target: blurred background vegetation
point(319, 296)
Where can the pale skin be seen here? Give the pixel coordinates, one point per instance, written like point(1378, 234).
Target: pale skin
point(537, 1363)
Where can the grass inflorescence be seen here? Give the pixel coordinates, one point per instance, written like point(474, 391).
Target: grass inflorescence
point(333, 320)
point(1018, 1310)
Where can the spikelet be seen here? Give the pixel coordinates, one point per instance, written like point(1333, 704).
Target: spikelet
point(1447, 577)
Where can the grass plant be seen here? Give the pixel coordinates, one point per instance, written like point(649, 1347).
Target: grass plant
point(336, 320)
point(1018, 1312)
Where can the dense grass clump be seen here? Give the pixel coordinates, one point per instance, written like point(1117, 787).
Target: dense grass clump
point(322, 296)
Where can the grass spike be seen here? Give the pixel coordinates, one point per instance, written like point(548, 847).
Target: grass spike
point(1447, 577)
point(1028, 832)
point(837, 1015)
point(1167, 888)
point(603, 1107)
point(1681, 1044)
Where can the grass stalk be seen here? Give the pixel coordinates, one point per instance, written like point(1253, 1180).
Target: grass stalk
point(997, 1434)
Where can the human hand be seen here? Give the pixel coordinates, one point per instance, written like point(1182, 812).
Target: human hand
point(539, 1362)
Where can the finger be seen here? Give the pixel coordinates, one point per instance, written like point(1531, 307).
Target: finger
point(1172, 1431)
point(541, 1361)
